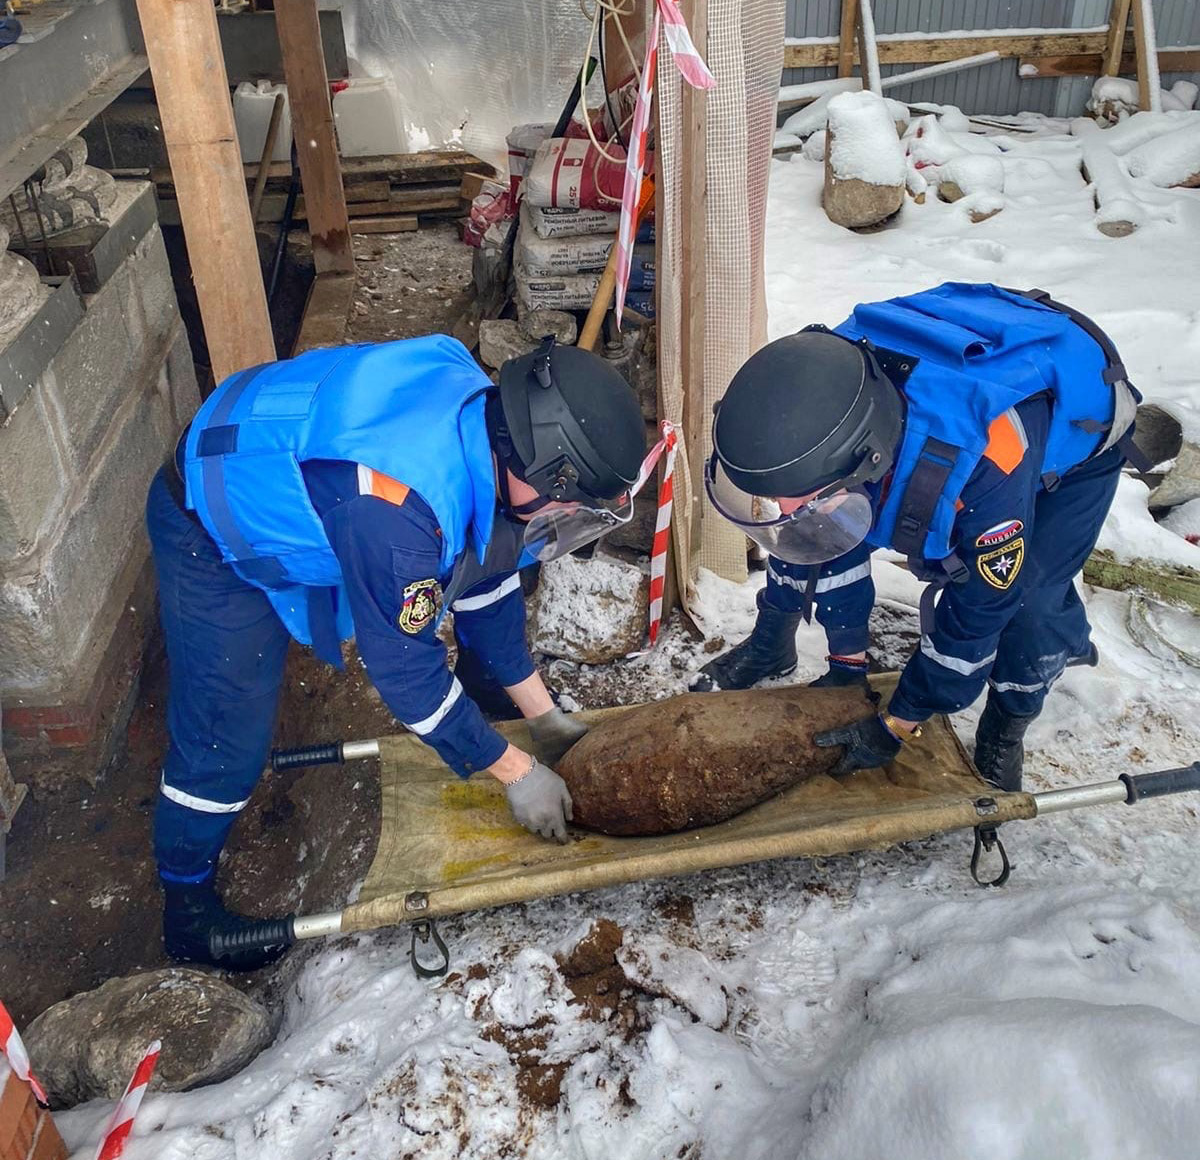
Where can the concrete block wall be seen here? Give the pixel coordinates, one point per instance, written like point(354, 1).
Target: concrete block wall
point(76, 459)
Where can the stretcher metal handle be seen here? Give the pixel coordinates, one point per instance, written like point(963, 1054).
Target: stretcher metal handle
point(326, 753)
point(1165, 781)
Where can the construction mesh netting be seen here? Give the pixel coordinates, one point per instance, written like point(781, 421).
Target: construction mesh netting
point(744, 51)
point(448, 845)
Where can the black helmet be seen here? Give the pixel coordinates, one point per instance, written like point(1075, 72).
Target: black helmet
point(572, 423)
point(806, 412)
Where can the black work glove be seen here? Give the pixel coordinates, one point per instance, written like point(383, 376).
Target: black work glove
point(842, 673)
point(869, 743)
point(553, 733)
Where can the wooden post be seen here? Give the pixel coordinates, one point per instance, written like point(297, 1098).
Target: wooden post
point(1145, 48)
point(1118, 20)
point(618, 69)
point(845, 64)
point(868, 50)
point(192, 91)
point(693, 267)
point(312, 127)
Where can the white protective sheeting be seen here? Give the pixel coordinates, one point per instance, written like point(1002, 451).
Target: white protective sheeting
point(468, 73)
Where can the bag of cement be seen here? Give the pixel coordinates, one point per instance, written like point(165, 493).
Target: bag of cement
point(641, 268)
point(583, 254)
point(556, 291)
point(573, 173)
point(522, 143)
point(642, 301)
point(562, 222)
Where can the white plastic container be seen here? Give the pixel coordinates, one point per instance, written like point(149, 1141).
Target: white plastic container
point(252, 105)
point(367, 116)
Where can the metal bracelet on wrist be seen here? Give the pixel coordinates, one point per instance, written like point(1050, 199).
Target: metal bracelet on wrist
point(532, 767)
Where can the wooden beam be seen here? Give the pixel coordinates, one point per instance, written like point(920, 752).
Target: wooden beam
point(326, 312)
point(693, 228)
point(384, 225)
point(631, 17)
point(197, 119)
point(1118, 20)
point(312, 127)
point(1145, 47)
point(1091, 65)
point(896, 50)
point(845, 57)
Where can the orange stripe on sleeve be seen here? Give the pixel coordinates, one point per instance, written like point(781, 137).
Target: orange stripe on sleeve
point(384, 487)
point(1005, 447)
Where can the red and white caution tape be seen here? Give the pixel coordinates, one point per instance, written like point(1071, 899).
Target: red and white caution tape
point(121, 1123)
point(18, 1057)
point(689, 62)
point(662, 524)
point(634, 197)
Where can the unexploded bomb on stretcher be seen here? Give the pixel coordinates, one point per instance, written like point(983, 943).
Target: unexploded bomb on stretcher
point(702, 758)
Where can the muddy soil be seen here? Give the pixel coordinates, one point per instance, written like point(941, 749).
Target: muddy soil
point(81, 902)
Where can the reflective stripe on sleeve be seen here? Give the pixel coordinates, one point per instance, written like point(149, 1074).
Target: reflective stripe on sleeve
point(203, 805)
point(430, 723)
point(493, 596)
point(1013, 687)
point(954, 664)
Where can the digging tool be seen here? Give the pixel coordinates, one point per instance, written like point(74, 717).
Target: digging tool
point(1129, 789)
point(608, 280)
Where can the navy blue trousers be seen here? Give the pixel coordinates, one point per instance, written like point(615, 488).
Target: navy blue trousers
point(225, 650)
point(1051, 626)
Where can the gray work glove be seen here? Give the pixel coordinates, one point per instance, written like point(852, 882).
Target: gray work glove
point(541, 802)
point(553, 733)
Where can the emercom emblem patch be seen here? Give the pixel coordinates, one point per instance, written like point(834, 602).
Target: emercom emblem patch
point(1001, 566)
point(419, 606)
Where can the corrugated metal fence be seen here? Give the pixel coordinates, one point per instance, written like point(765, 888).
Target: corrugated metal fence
point(994, 88)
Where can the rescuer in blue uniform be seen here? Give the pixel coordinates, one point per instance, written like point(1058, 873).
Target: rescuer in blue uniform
point(981, 432)
point(363, 491)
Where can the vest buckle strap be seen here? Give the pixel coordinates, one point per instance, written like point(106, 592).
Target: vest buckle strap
point(925, 486)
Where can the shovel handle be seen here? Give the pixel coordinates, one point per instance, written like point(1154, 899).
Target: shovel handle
point(1162, 783)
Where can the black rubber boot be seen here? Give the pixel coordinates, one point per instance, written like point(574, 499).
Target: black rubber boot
point(769, 651)
point(191, 912)
point(1000, 747)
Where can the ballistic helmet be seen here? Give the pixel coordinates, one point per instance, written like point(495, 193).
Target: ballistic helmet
point(571, 425)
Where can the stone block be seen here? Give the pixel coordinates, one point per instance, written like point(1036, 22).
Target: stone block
point(93, 370)
point(591, 611)
point(34, 476)
point(152, 306)
point(51, 604)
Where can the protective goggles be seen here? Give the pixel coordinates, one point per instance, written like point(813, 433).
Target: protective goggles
point(826, 526)
point(556, 530)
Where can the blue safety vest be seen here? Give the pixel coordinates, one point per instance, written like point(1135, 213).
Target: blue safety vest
point(412, 410)
point(980, 350)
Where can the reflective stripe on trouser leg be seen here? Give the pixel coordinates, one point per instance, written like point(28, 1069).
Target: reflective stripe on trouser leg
point(1051, 626)
point(225, 650)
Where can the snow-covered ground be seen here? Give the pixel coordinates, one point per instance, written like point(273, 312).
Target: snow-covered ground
point(858, 1007)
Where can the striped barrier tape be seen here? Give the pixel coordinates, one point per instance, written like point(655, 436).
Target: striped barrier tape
point(18, 1057)
point(121, 1124)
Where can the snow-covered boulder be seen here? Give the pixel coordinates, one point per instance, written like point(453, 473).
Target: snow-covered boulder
point(976, 177)
point(864, 162)
point(590, 611)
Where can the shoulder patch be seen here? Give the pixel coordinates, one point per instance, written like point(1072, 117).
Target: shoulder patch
point(419, 606)
point(1000, 534)
point(1001, 566)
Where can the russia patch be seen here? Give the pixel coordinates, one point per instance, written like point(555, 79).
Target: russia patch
point(1000, 534)
point(1000, 566)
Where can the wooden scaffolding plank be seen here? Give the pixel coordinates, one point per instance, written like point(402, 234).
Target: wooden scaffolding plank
point(312, 128)
point(184, 48)
point(825, 53)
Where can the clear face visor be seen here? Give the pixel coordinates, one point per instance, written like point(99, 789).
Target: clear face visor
point(560, 529)
point(822, 528)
